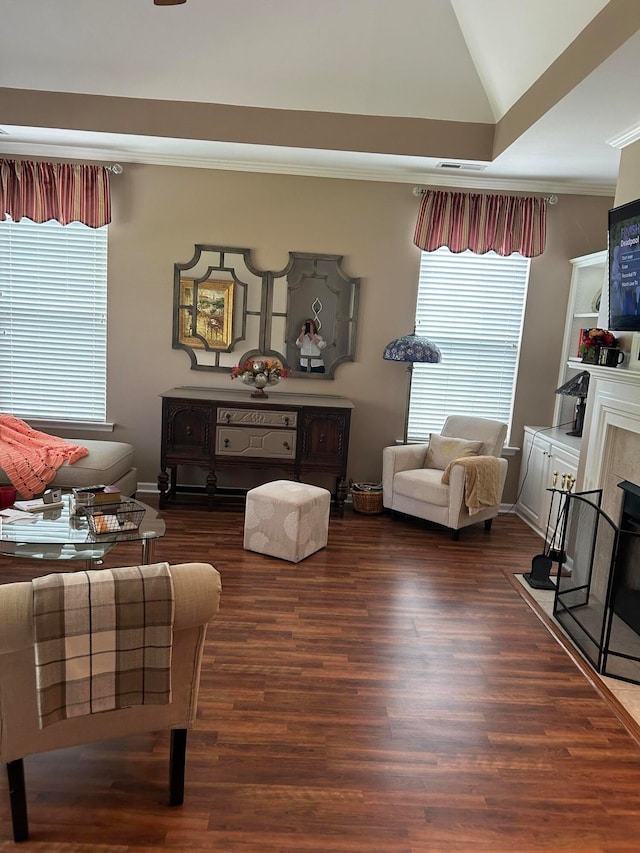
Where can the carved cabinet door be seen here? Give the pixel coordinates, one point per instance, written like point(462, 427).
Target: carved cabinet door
point(187, 431)
point(325, 439)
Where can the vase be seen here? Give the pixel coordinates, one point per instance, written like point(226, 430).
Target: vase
point(259, 382)
point(590, 355)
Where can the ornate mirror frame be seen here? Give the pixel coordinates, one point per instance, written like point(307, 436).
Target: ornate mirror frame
point(318, 289)
point(225, 309)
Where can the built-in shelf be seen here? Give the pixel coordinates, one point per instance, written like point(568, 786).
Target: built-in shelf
point(588, 274)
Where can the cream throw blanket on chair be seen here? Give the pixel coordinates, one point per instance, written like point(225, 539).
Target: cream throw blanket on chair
point(481, 481)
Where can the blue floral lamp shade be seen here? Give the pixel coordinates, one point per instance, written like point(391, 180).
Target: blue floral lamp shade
point(411, 349)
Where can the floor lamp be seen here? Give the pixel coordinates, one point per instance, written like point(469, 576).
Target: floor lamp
point(411, 349)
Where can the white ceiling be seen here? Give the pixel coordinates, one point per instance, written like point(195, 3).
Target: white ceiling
point(448, 60)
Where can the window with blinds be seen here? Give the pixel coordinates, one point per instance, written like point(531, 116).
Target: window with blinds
point(472, 307)
point(53, 321)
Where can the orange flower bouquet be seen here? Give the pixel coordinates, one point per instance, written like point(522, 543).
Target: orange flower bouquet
point(590, 342)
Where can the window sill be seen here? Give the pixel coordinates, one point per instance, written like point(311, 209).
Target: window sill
point(73, 426)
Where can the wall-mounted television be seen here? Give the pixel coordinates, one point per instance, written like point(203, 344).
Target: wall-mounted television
point(624, 267)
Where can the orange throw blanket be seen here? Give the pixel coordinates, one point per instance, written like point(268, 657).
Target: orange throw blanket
point(30, 458)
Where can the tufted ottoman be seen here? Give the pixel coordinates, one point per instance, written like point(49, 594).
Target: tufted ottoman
point(286, 519)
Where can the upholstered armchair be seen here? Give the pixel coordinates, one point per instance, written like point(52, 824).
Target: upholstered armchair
point(192, 602)
point(412, 474)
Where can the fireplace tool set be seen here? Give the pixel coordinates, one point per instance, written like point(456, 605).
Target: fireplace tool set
point(541, 564)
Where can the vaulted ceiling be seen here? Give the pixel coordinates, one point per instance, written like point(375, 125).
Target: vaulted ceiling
point(491, 93)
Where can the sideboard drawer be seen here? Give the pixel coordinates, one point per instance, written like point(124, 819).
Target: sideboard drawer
point(256, 442)
point(257, 417)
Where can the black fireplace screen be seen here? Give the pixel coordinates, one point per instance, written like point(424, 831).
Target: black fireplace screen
point(597, 599)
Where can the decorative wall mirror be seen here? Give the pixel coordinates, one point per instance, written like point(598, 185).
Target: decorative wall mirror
point(225, 309)
point(319, 292)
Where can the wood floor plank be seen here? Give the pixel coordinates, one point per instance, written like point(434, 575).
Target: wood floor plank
point(393, 693)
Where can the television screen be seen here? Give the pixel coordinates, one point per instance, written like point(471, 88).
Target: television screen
point(624, 267)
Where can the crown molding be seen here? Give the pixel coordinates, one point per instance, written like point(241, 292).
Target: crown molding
point(625, 138)
point(383, 173)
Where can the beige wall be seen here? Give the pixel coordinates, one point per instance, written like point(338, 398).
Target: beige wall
point(628, 186)
point(161, 212)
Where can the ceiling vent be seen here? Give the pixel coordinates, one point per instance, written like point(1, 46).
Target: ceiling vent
point(460, 167)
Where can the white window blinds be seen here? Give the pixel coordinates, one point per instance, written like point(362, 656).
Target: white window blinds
point(472, 307)
point(53, 313)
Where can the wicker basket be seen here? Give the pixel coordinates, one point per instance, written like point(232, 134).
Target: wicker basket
point(367, 498)
point(114, 518)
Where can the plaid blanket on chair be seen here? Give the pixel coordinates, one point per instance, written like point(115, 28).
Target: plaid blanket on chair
point(102, 640)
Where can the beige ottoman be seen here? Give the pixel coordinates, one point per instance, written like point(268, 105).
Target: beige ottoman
point(286, 519)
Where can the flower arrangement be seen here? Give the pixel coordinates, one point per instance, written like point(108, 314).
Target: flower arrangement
point(259, 372)
point(592, 339)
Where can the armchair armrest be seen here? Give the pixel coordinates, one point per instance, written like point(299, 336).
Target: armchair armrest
point(403, 457)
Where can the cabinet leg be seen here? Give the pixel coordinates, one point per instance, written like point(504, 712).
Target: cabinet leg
point(342, 491)
point(163, 486)
point(212, 482)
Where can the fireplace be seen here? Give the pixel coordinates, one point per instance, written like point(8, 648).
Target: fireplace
point(597, 598)
point(626, 569)
point(610, 451)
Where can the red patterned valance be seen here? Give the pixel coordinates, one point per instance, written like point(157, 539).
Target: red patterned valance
point(482, 223)
point(66, 192)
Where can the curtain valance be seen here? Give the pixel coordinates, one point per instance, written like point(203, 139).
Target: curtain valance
point(482, 223)
point(66, 192)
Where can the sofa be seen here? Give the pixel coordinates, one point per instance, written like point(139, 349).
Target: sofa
point(108, 463)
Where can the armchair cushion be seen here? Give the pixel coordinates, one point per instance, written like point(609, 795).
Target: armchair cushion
point(443, 450)
point(422, 484)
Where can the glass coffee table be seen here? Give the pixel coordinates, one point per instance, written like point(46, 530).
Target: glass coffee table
point(60, 534)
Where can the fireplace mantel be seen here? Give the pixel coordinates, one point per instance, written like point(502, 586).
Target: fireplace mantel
point(619, 375)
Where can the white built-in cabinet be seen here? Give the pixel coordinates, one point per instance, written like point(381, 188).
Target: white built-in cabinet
point(549, 456)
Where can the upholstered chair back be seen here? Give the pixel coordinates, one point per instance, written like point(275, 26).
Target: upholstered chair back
point(196, 596)
point(492, 433)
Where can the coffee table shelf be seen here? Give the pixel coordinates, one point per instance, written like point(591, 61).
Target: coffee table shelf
point(57, 534)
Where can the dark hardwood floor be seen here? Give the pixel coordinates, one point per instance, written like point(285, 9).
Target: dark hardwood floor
point(391, 694)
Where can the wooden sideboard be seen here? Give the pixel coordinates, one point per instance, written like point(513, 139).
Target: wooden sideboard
point(298, 434)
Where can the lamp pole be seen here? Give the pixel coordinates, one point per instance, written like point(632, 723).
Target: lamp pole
point(405, 438)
